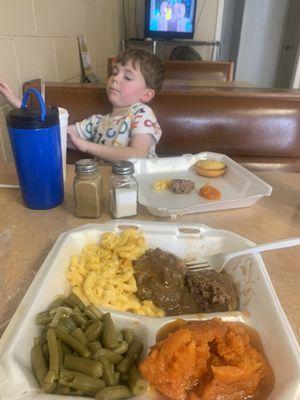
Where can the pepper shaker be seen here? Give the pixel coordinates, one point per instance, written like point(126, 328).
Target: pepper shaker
point(123, 190)
point(88, 189)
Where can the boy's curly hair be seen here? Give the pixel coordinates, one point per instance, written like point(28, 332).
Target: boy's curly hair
point(151, 66)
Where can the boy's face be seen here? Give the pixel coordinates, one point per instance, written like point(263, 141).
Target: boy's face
point(127, 86)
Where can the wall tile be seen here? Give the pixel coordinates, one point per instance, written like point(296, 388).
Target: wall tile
point(8, 67)
point(67, 58)
point(60, 18)
point(91, 44)
point(100, 72)
point(101, 53)
point(16, 17)
point(5, 147)
point(35, 57)
point(96, 21)
point(75, 79)
point(2, 146)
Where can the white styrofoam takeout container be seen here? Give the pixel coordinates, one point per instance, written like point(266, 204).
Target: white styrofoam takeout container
point(238, 186)
point(259, 306)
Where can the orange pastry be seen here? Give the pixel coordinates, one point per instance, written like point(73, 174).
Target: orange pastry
point(210, 168)
point(210, 192)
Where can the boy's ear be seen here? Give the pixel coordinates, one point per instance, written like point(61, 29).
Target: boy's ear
point(147, 95)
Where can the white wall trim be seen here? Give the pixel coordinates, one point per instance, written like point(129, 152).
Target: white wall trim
point(219, 22)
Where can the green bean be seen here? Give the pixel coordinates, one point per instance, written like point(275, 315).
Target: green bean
point(133, 354)
point(110, 355)
point(93, 312)
point(43, 337)
point(80, 318)
point(135, 349)
point(93, 331)
point(66, 390)
point(69, 323)
point(63, 314)
point(62, 325)
point(48, 387)
point(84, 365)
point(74, 301)
point(114, 393)
point(109, 335)
point(137, 383)
point(80, 381)
point(108, 371)
point(122, 348)
point(58, 302)
point(94, 347)
point(117, 377)
point(62, 390)
point(43, 318)
point(60, 353)
point(38, 362)
point(45, 349)
point(79, 334)
point(124, 378)
point(65, 349)
point(128, 335)
point(53, 372)
point(119, 335)
point(75, 344)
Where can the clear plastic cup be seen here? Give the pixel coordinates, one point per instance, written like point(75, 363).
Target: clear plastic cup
point(63, 122)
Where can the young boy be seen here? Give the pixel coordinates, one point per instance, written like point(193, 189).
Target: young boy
point(131, 129)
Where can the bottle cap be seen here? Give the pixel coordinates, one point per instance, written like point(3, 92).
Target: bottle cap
point(86, 165)
point(122, 168)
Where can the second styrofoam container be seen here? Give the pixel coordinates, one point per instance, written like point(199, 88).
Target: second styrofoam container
point(238, 186)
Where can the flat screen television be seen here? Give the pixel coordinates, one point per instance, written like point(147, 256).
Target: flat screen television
point(170, 19)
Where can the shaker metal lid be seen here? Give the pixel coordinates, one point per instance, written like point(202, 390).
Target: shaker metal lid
point(122, 167)
point(30, 118)
point(86, 165)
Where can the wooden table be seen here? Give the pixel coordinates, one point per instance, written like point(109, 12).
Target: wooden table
point(26, 236)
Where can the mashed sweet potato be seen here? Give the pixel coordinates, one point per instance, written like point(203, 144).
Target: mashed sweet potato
point(209, 192)
point(208, 360)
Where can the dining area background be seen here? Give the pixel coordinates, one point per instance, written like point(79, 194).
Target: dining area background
point(234, 116)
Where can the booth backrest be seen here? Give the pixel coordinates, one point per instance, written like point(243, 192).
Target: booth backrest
point(238, 123)
point(199, 70)
point(257, 126)
point(195, 70)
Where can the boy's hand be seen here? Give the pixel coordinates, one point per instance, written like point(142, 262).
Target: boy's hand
point(8, 93)
point(75, 142)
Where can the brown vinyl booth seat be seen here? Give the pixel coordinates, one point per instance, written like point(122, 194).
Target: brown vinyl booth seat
point(199, 70)
point(192, 70)
point(259, 128)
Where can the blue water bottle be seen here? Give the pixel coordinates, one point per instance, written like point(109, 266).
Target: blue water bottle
point(35, 139)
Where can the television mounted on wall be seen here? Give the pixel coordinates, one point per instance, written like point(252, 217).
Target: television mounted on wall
point(170, 19)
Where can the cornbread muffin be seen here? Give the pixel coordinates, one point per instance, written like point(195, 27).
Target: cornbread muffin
point(210, 168)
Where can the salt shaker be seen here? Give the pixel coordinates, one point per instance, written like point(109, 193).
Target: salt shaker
point(88, 189)
point(123, 190)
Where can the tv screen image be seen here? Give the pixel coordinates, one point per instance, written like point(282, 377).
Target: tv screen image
point(170, 18)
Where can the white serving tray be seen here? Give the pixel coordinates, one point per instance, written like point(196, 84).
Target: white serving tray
point(259, 305)
point(239, 187)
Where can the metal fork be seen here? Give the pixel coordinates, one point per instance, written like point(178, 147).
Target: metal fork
point(219, 260)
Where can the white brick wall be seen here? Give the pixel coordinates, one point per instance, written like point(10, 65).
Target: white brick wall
point(38, 39)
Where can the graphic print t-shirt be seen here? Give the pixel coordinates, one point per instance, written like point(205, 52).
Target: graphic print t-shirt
point(117, 131)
